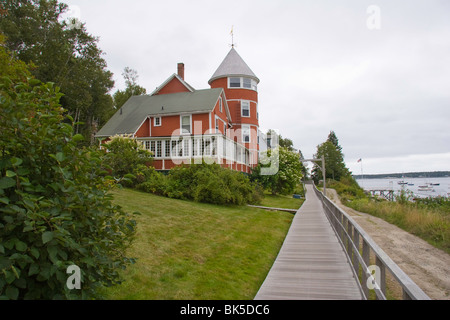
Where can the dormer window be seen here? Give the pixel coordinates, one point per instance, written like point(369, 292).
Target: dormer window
point(242, 82)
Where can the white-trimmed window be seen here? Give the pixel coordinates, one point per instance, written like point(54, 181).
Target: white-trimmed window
point(195, 146)
point(158, 149)
point(245, 108)
point(153, 147)
point(242, 82)
point(220, 104)
point(234, 82)
point(247, 83)
point(186, 148)
point(167, 153)
point(173, 148)
point(254, 85)
point(186, 124)
point(157, 122)
point(246, 134)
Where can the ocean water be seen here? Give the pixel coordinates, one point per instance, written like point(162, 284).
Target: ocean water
point(443, 189)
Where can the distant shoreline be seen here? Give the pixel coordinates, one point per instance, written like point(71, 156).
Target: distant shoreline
point(431, 174)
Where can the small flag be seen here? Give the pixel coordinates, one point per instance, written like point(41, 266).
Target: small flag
point(359, 160)
point(231, 30)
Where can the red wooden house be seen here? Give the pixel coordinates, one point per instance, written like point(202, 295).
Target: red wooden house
point(180, 124)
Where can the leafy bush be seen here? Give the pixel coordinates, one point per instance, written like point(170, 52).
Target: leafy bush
point(288, 174)
point(124, 155)
point(208, 183)
point(54, 205)
point(149, 180)
point(347, 188)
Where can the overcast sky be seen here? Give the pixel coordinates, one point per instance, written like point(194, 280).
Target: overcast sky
point(375, 72)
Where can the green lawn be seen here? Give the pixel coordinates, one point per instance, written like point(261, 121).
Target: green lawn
point(189, 250)
point(280, 201)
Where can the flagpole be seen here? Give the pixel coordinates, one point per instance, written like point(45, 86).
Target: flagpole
point(362, 175)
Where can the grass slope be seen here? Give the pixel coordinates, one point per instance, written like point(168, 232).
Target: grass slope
point(280, 201)
point(189, 250)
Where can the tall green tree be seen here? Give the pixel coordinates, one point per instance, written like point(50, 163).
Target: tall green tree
point(132, 88)
point(65, 54)
point(334, 140)
point(334, 159)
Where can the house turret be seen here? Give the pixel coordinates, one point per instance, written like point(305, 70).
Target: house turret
point(241, 89)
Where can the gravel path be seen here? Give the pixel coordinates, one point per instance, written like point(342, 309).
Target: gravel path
point(426, 265)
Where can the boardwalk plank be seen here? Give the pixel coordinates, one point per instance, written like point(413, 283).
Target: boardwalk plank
point(311, 263)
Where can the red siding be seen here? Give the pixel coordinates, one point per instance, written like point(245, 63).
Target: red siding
point(172, 87)
point(235, 106)
point(144, 130)
point(235, 93)
point(168, 126)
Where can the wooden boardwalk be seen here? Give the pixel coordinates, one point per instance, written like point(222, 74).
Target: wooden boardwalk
point(311, 263)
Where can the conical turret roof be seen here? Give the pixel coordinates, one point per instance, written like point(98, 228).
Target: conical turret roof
point(233, 66)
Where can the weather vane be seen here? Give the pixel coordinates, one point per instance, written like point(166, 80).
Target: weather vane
point(232, 37)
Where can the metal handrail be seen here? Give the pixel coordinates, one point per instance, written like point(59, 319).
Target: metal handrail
point(349, 234)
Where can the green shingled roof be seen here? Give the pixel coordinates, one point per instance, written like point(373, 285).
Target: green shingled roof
point(130, 117)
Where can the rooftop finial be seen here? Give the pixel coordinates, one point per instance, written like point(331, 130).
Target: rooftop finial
point(232, 36)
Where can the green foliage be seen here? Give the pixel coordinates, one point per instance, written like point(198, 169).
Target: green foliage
point(208, 183)
point(440, 204)
point(334, 160)
point(290, 171)
point(54, 205)
point(149, 180)
point(16, 70)
point(124, 155)
point(132, 88)
point(69, 57)
point(348, 189)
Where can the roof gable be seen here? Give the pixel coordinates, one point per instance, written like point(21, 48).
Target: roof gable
point(182, 86)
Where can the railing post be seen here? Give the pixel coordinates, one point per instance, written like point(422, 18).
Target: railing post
point(344, 227)
point(382, 283)
point(349, 241)
point(355, 257)
point(366, 259)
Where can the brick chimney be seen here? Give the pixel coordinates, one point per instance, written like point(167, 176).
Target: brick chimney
point(181, 70)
